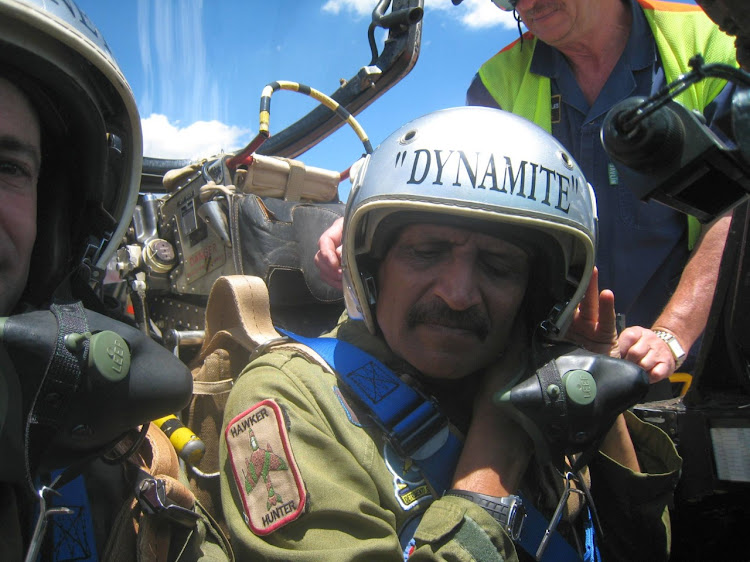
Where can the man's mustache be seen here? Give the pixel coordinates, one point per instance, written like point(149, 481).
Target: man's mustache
point(437, 312)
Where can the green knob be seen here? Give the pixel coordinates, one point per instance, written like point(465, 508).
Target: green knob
point(580, 387)
point(109, 356)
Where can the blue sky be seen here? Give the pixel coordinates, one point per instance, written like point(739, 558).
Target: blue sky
point(197, 67)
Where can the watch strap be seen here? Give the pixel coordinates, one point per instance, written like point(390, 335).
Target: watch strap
point(508, 511)
point(674, 346)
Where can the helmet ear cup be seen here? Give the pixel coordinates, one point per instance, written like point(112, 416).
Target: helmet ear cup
point(51, 257)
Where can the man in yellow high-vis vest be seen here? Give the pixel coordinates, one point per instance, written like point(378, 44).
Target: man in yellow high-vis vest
point(578, 59)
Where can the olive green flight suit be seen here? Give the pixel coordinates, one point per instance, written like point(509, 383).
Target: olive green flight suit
point(355, 496)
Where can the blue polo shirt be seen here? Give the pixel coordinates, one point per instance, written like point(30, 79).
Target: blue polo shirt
point(642, 247)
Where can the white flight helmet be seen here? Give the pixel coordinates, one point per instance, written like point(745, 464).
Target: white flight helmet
point(91, 135)
point(483, 169)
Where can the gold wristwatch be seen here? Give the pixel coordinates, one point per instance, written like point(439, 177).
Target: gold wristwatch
point(674, 346)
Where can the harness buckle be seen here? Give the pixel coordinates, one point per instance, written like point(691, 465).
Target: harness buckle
point(419, 432)
point(152, 497)
point(552, 527)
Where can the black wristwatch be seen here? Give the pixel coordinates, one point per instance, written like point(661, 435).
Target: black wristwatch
point(507, 510)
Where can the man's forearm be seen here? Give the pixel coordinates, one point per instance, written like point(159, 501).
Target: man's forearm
point(494, 458)
point(686, 313)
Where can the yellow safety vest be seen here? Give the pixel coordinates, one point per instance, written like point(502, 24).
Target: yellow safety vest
point(680, 31)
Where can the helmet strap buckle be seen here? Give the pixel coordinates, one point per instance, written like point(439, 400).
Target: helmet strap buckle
point(94, 248)
point(549, 326)
point(87, 269)
point(371, 289)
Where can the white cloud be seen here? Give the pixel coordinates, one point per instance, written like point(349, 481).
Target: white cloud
point(358, 7)
point(202, 139)
point(472, 14)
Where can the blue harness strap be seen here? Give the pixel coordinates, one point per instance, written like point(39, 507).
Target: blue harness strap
point(408, 418)
point(72, 533)
point(592, 550)
point(411, 422)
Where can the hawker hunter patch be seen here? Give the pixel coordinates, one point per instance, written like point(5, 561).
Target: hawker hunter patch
point(267, 477)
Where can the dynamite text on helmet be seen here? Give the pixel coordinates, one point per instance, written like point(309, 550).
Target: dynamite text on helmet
point(486, 170)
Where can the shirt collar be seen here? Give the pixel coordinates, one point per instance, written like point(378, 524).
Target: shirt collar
point(639, 53)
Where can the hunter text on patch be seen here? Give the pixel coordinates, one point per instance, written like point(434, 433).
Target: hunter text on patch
point(267, 478)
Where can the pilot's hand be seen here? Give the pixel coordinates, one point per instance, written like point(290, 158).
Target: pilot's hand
point(594, 323)
point(497, 450)
point(328, 256)
point(647, 350)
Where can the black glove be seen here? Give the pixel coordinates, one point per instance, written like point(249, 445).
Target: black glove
point(571, 399)
point(80, 383)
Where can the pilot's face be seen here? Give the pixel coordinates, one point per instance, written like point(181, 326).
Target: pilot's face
point(448, 298)
point(20, 161)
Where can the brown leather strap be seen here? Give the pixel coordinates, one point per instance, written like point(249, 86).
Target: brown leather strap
point(157, 455)
point(239, 305)
point(211, 388)
point(136, 534)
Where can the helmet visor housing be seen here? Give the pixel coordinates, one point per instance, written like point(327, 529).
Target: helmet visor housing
point(479, 168)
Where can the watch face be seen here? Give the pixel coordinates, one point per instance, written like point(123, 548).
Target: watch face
point(671, 341)
point(676, 348)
